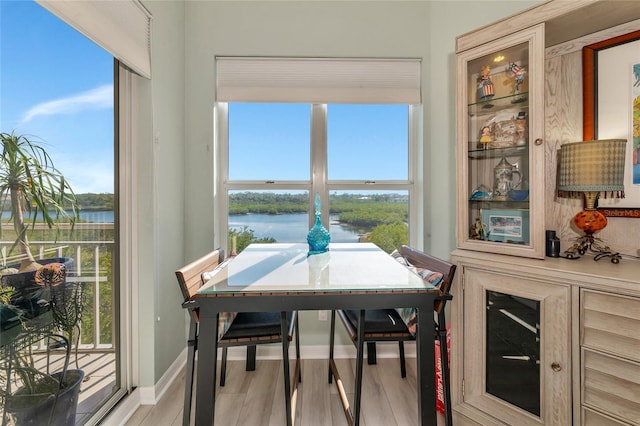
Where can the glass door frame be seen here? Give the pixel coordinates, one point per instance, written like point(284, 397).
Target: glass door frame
point(555, 348)
point(534, 36)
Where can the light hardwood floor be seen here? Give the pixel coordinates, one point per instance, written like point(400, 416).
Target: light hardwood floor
point(257, 398)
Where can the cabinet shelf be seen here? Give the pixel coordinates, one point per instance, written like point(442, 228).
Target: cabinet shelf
point(510, 151)
point(519, 100)
point(499, 204)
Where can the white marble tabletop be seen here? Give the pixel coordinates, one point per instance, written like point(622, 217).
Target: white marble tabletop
point(286, 267)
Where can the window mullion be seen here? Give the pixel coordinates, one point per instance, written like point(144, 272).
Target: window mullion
point(416, 189)
point(267, 185)
point(221, 164)
point(345, 185)
point(319, 162)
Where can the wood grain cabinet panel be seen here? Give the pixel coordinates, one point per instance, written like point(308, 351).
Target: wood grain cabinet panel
point(611, 385)
point(593, 418)
point(611, 323)
point(610, 357)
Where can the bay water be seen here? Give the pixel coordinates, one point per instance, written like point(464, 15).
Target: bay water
point(285, 228)
point(95, 216)
point(289, 228)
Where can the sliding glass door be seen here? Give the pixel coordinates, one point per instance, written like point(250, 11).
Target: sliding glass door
point(58, 91)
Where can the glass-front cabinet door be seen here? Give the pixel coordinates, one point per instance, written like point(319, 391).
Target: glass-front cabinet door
point(500, 153)
point(517, 348)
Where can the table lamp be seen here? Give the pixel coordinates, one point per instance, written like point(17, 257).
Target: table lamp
point(588, 169)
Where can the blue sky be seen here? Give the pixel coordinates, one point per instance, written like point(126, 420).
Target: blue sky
point(365, 142)
point(57, 86)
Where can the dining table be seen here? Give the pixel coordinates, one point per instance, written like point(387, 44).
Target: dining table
point(284, 277)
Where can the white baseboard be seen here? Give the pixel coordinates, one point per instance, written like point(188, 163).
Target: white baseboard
point(150, 395)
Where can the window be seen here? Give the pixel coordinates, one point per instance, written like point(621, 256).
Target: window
point(269, 142)
point(369, 142)
point(358, 157)
point(346, 129)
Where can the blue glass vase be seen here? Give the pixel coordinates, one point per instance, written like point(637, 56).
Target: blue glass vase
point(318, 237)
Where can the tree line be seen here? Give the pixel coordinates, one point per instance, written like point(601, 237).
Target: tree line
point(382, 218)
point(357, 210)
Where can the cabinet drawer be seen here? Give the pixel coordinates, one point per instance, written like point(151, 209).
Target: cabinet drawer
point(611, 385)
point(611, 323)
point(593, 418)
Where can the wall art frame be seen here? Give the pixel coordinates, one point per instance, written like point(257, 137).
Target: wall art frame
point(590, 102)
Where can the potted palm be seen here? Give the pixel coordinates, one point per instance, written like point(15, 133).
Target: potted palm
point(31, 188)
point(41, 397)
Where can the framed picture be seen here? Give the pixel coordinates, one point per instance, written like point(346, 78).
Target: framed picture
point(611, 109)
point(506, 225)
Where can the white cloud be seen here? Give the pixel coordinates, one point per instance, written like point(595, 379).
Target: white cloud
point(85, 175)
point(98, 98)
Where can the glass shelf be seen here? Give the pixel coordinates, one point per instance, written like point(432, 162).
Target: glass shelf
point(498, 204)
point(519, 100)
point(484, 153)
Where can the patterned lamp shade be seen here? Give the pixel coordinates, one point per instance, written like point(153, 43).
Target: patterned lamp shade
point(592, 166)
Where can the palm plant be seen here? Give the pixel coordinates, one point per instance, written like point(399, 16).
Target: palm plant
point(32, 185)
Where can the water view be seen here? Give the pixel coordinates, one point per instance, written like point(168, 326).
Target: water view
point(95, 216)
point(285, 228)
point(289, 228)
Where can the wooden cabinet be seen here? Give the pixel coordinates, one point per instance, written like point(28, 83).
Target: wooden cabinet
point(553, 34)
point(545, 342)
point(517, 351)
point(500, 153)
point(535, 340)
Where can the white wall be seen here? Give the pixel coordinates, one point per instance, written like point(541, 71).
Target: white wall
point(183, 156)
point(161, 198)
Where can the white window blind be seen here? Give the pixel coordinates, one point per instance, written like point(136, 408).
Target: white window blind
point(318, 80)
point(121, 27)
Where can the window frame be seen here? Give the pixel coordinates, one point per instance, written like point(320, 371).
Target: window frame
point(318, 181)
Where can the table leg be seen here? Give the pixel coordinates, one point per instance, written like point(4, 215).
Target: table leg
point(207, 362)
point(359, 360)
point(284, 330)
point(425, 347)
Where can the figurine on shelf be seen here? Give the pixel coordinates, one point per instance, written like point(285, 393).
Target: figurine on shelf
point(521, 128)
point(482, 192)
point(486, 89)
point(477, 230)
point(517, 73)
point(485, 137)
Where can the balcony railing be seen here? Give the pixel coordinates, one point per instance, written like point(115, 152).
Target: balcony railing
point(93, 266)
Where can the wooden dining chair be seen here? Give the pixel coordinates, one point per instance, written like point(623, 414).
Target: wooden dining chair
point(385, 325)
point(234, 329)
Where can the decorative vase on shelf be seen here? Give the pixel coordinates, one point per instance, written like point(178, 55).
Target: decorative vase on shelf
point(318, 237)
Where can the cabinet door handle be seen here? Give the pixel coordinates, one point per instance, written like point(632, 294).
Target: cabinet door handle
point(538, 141)
point(556, 367)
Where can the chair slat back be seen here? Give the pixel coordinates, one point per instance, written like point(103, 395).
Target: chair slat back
point(190, 276)
point(423, 260)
